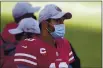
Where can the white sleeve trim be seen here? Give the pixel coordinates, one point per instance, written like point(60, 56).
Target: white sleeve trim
point(25, 60)
point(70, 53)
point(26, 55)
point(71, 58)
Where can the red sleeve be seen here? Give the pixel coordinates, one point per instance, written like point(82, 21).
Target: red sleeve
point(71, 56)
point(9, 62)
point(25, 54)
point(6, 35)
point(1, 42)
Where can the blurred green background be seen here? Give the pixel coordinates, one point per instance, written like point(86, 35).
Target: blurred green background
point(83, 30)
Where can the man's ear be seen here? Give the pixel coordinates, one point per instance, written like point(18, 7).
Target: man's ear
point(48, 26)
point(45, 24)
point(44, 28)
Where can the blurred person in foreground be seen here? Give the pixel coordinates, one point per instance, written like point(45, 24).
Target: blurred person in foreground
point(23, 57)
point(20, 11)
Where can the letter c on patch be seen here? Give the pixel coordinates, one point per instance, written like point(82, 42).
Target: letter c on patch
point(42, 50)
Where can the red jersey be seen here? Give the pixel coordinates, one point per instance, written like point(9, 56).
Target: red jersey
point(6, 35)
point(38, 54)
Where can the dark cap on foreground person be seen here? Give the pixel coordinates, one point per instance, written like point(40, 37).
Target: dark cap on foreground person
point(25, 26)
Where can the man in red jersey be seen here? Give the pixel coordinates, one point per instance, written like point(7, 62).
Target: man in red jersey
point(54, 17)
point(46, 50)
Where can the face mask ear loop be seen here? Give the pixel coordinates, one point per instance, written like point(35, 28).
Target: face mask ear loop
point(50, 32)
point(48, 29)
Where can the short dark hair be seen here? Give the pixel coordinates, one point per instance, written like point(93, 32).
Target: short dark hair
point(26, 34)
point(29, 34)
point(17, 20)
point(19, 36)
point(40, 26)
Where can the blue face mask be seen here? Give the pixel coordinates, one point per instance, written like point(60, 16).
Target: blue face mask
point(59, 31)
